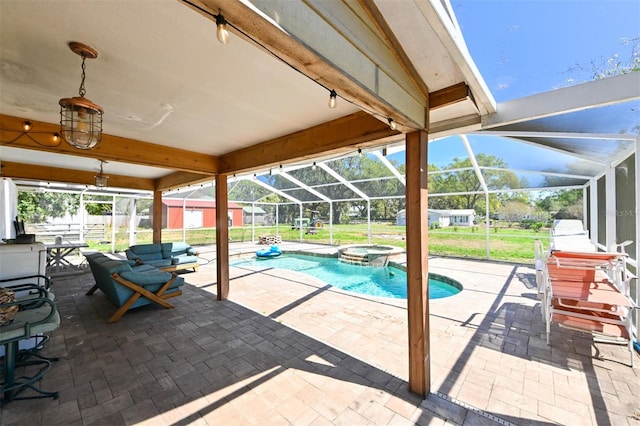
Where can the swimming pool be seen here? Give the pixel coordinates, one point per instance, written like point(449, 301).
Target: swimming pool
point(386, 281)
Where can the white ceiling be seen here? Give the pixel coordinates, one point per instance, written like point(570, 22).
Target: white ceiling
point(162, 77)
point(196, 80)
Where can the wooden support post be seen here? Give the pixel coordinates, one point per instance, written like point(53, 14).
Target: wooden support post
point(157, 217)
point(417, 259)
point(222, 237)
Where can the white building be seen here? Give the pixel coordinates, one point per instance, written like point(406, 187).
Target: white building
point(444, 218)
point(455, 217)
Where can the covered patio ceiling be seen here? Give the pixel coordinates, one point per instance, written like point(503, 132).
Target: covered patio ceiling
point(181, 107)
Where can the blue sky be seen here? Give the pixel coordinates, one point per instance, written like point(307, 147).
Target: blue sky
point(523, 47)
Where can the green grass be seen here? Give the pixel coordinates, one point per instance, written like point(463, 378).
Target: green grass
point(507, 244)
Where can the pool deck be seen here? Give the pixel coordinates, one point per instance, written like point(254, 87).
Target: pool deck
point(286, 348)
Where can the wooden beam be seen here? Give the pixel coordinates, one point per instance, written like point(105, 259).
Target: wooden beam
point(449, 95)
point(222, 238)
point(341, 135)
point(112, 148)
point(156, 219)
point(180, 180)
point(395, 46)
point(56, 174)
point(417, 263)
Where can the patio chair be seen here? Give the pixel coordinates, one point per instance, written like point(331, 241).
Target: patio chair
point(37, 315)
point(589, 292)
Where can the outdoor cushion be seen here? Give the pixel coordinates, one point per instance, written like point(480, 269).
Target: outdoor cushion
point(179, 260)
point(145, 252)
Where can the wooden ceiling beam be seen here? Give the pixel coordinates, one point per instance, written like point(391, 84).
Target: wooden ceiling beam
point(56, 174)
point(180, 180)
point(395, 46)
point(340, 135)
point(449, 95)
point(112, 148)
point(337, 136)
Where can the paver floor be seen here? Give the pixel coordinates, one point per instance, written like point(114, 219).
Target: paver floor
point(288, 349)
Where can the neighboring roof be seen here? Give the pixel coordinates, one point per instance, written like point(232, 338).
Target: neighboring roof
point(194, 203)
point(253, 209)
point(446, 212)
point(453, 212)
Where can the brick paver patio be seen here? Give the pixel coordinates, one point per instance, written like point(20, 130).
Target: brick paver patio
point(288, 349)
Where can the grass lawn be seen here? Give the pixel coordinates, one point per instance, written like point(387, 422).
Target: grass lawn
point(506, 244)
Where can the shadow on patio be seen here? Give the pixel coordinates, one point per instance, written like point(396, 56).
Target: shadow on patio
point(292, 350)
point(204, 362)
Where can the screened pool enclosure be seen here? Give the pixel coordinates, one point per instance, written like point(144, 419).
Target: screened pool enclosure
point(359, 196)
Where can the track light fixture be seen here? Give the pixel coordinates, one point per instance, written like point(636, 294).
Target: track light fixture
point(360, 152)
point(333, 99)
point(392, 124)
point(221, 28)
point(314, 166)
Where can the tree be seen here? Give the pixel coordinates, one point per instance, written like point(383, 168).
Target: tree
point(563, 204)
point(463, 180)
point(366, 174)
point(515, 211)
point(98, 209)
point(37, 207)
point(615, 64)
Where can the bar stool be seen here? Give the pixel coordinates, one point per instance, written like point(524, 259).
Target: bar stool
point(38, 315)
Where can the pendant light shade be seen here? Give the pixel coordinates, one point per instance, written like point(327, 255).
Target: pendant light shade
point(102, 180)
point(81, 119)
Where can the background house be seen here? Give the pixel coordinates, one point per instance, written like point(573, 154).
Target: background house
point(454, 217)
point(251, 213)
point(444, 218)
point(196, 214)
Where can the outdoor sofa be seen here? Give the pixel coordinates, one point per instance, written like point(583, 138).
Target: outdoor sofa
point(129, 285)
point(165, 256)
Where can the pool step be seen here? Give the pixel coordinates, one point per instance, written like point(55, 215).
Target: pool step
point(355, 259)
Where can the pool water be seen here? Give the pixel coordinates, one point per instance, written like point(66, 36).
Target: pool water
point(381, 282)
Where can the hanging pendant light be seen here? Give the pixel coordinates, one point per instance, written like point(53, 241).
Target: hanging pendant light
point(102, 180)
point(81, 119)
